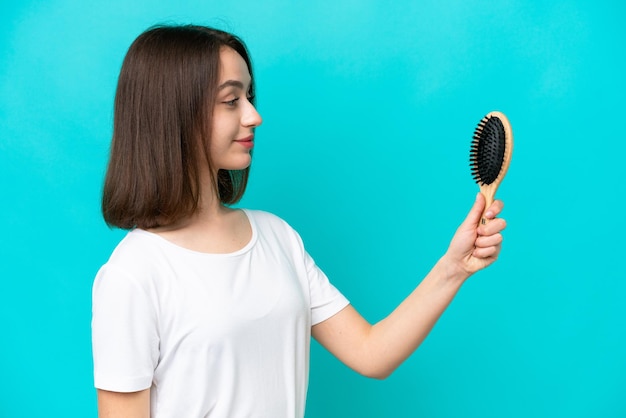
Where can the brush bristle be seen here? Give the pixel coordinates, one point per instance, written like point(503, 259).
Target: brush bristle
point(487, 151)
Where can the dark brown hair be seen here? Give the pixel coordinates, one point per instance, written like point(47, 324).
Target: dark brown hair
point(162, 124)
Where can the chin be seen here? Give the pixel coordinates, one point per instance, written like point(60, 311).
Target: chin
point(239, 165)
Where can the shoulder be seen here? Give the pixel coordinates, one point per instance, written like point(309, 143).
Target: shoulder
point(137, 246)
point(138, 256)
point(264, 219)
point(267, 224)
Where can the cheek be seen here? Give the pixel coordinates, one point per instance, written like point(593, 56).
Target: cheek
point(221, 137)
point(223, 126)
point(217, 127)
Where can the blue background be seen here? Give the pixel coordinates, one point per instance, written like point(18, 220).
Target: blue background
point(368, 109)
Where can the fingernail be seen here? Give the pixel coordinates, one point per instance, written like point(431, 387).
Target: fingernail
point(489, 214)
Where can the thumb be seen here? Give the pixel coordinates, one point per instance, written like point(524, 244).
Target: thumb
point(474, 215)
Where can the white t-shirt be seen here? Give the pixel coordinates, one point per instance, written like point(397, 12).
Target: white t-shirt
point(212, 335)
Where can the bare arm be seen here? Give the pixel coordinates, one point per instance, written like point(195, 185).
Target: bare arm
point(376, 351)
point(123, 405)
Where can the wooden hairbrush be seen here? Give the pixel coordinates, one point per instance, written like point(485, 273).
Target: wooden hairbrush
point(490, 155)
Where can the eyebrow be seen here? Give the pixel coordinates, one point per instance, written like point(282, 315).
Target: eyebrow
point(230, 83)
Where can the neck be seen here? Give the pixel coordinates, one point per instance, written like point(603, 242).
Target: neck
point(209, 201)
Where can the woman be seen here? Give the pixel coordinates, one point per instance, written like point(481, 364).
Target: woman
point(207, 311)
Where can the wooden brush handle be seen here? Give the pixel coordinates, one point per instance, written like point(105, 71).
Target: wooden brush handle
point(489, 193)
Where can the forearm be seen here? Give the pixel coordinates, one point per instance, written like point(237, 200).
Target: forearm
point(376, 351)
point(393, 339)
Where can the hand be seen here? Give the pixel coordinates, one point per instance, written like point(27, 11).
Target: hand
point(475, 246)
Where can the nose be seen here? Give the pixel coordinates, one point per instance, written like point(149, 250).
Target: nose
point(250, 117)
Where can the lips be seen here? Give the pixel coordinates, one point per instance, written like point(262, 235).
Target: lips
point(247, 142)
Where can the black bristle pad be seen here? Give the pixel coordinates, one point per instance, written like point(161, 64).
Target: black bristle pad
point(487, 151)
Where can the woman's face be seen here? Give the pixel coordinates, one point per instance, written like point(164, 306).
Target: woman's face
point(234, 117)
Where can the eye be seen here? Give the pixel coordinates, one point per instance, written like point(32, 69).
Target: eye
point(231, 103)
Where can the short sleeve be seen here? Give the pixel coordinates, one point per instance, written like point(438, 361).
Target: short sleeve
point(326, 300)
point(125, 338)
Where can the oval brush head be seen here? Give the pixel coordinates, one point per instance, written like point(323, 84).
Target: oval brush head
point(490, 154)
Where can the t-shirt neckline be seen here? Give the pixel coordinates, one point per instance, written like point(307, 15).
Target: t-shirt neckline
point(170, 244)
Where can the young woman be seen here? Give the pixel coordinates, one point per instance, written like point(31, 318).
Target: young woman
point(207, 311)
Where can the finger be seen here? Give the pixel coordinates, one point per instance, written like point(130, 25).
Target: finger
point(495, 226)
point(494, 209)
point(475, 213)
point(487, 252)
point(488, 241)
